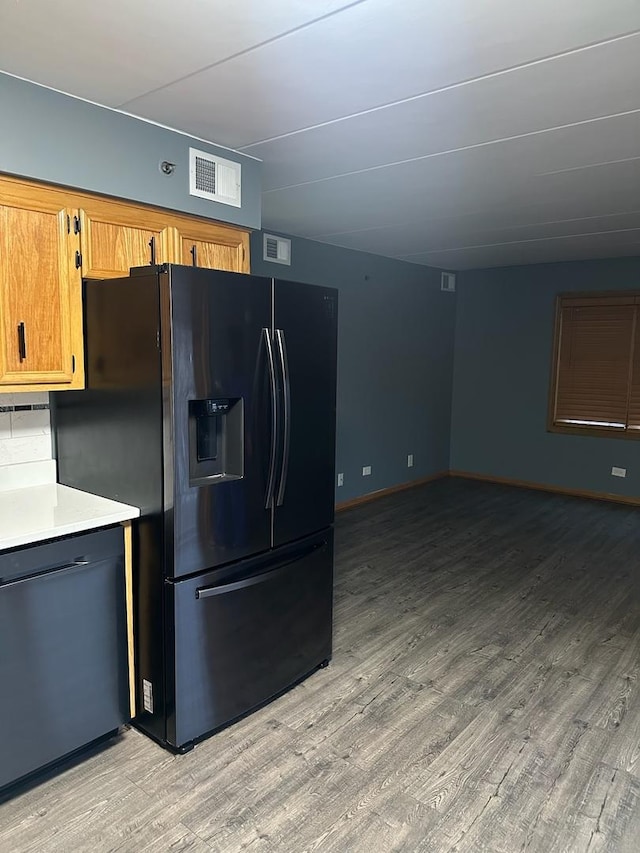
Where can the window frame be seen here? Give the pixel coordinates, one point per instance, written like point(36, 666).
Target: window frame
point(611, 297)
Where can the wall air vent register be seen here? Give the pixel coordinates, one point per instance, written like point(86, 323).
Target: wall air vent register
point(277, 250)
point(214, 178)
point(448, 282)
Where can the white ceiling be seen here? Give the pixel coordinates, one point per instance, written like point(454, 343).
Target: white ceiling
point(455, 133)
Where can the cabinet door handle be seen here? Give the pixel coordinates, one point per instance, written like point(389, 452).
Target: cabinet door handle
point(22, 342)
point(152, 246)
point(194, 255)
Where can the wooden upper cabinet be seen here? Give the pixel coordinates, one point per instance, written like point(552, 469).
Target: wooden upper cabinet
point(213, 246)
point(115, 237)
point(40, 292)
point(51, 238)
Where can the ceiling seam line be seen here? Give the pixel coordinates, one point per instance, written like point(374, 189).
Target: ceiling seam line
point(520, 242)
point(403, 222)
point(587, 166)
point(450, 86)
point(448, 151)
point(242, 52)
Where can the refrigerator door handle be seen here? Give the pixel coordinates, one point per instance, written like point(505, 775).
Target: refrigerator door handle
point(282, 351)
point(274, 419)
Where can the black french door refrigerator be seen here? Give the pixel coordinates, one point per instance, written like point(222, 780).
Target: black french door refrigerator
point(210, 404)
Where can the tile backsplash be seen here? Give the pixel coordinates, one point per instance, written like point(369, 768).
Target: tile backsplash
point(25, 428)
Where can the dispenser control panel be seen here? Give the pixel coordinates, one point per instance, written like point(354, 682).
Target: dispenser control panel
point(203, 408)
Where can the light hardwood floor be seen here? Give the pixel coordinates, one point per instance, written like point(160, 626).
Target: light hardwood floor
point(484, 695)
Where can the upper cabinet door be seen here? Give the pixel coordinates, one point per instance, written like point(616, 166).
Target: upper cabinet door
point(39, 293)
point(116, 237)
point(213, 246)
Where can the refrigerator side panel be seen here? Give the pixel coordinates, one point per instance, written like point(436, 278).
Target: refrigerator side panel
point(220, 398)
point(110, 442)
point(109, 436)
point(306, 345)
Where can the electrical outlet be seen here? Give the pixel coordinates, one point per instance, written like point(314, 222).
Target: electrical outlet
point(341, 479)
point(618, 472)
point(366, 470)
point(410, 460)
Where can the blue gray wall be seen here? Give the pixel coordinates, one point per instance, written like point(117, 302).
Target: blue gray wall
point(395, 358)
point(396, 327)
point(503, 351)
point(52, 137)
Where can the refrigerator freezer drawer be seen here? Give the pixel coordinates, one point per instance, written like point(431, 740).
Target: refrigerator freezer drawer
point(240, 641)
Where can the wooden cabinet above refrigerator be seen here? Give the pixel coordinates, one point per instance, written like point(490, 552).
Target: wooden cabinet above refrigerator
point(51, 239)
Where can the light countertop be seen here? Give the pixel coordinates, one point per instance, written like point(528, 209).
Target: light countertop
point(35, 513)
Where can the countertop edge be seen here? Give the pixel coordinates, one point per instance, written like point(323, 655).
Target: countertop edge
point(104, 513)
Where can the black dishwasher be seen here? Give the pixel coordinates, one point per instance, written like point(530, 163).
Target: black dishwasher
point(63, 656)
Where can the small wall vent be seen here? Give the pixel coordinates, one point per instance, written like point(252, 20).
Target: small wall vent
point(214, 178)
point(277, 250)
point(448, 282)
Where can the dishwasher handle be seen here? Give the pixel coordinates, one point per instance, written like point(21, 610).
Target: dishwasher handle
point(74, 564)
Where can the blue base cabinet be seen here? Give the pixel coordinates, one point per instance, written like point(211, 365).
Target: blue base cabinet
point(63, 654)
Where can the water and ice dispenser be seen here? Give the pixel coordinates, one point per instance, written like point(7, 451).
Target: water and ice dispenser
point(216, 437)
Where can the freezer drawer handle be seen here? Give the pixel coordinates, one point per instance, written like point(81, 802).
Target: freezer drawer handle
point(207, 592)
point(274, 419)
point(221, 589)
point(282, 350)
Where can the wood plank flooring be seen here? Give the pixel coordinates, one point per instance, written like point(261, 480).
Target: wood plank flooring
point(484, 695)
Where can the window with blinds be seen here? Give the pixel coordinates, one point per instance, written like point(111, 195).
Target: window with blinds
point(596, 373)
